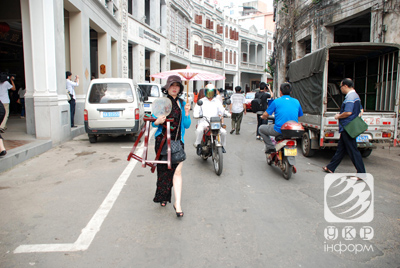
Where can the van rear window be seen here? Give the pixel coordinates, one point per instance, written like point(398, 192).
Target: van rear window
point(111, 93)
point(150, 90)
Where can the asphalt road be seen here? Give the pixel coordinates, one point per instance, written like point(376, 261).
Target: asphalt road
point(84, 205)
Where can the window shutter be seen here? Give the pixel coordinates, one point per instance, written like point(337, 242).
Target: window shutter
point(200, 19)
point(187, 38)
point(207, 23)
point(226, 56)
point(234, 58)
point(226, 32)
point(212, 25)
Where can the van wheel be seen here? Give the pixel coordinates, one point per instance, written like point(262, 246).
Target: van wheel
point(366, 152)
point(306, 145)
point(92, 138)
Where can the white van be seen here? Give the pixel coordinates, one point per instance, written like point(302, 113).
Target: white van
point(152, 91)
point(113, 106)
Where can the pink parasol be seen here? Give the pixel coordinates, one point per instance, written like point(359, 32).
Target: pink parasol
point(189, 74)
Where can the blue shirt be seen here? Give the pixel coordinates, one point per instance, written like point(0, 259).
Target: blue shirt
point(185, 122)
point(285, 108)
point(351, 103)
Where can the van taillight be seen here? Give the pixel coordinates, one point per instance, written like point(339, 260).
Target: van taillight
point(136, 114)
point(85, 115)
point(386, 135)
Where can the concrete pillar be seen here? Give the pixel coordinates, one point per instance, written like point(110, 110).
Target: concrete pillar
point(154, 63)
point(43, 17)
point(28, 64)
point(163, 22)
point(114, 59)
point(138, 59)
point(155, 9)
point(138, 9)
point(103, 44)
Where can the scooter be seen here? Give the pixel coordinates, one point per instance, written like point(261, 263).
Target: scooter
point(211, 145)
point(286, 148)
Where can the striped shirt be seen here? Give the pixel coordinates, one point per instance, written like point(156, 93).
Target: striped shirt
point(237, 100)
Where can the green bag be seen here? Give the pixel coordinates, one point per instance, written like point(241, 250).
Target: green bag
point(356, 127)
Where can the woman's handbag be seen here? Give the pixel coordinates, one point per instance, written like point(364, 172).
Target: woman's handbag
point(356, 127)
point(177, 152)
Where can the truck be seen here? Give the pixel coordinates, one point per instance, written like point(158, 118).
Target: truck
point(315, 78)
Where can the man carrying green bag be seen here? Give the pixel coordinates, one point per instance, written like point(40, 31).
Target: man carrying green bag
point(350, 126)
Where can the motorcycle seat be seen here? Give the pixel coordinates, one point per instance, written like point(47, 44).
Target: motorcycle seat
point(279, 138)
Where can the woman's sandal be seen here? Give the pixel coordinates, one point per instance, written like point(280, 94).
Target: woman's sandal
point(326, 170)
point(178, 214)
point(163, 203)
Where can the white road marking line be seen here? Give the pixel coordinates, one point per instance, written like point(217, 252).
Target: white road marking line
point(89, 232)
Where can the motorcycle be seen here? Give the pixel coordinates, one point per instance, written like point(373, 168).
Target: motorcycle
point(286, 148)
point(211, 145)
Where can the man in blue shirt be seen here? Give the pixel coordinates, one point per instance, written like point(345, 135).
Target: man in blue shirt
point(350, 109)
point(285, 108)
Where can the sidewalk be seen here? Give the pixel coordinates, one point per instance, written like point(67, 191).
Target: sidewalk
point(21, 146)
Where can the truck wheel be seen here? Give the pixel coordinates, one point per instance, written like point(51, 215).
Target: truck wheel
point(366, 152)
point(306, 145)
point(92, 138)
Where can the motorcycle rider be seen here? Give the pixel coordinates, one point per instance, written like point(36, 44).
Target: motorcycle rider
point(211, 107)
point(285, 108)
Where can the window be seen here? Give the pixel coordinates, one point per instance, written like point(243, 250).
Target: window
point(226, 56)
point(198, 50)
point(244, 57)
point(111, 93)
point(207, 50)
point(226, 31)
point(234, 57)
point(230, 57)
point(198, 19)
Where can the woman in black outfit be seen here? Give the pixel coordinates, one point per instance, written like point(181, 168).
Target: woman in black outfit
point(166, 178)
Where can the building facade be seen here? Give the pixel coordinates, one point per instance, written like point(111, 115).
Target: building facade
point(305, 26)
point(41, 40)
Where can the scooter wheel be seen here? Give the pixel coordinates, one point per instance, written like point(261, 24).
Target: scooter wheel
point(269, 159)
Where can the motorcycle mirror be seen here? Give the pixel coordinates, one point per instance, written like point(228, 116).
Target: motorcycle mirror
point(199, 102)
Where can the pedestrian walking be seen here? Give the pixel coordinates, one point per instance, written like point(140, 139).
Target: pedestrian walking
point(237, 108)
point(349, 110)
point(21, 94)
point(5, 86)
point(3, 151)
point(168, 178)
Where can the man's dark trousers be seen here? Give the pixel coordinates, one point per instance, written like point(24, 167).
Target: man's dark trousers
point(349, 145)
point(72, 108)
point(260, 122)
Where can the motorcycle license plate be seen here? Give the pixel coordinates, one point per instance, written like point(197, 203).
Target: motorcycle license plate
point(290, 151)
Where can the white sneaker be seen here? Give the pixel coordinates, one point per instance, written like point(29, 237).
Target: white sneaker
point(195, 145)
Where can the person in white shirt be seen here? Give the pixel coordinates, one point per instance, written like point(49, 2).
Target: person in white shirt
point(71, 91)
point(211, 108)
point(237, 108)
point(219, 97)
point(5, 86)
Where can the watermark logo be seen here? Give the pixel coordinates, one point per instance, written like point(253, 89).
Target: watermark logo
point(347, 199)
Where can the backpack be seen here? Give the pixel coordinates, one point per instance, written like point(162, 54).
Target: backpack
point(256, 105)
